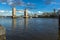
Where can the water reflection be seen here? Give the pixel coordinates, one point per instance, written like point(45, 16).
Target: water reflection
point(13, 24)
point(25, 24)
point(2, 33)
point(18, 29)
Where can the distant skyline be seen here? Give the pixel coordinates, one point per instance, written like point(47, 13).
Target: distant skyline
point(39, 6)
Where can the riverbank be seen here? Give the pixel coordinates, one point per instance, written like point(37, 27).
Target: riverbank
point(2, 33)
point(28, 17)
point(59, 35)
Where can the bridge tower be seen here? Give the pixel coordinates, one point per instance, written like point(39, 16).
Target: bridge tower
point(13, 12)
point(26, 13)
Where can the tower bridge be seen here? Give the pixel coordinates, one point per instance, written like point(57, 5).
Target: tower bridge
point(14, 12)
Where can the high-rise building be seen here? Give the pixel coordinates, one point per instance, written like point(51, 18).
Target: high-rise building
point(59, 12)
point(54, 12)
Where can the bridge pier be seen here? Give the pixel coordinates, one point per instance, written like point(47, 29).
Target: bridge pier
point(13, 12)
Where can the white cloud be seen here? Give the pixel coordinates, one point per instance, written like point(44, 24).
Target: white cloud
point(10, 11)
point(10, 3)
point(15, 3)
point(3, 11)
point(3, 3)
point(30, 12)
point(22, 11)
point(40, 12)
point(9, 0)
point(58, 8)
point(7, 13)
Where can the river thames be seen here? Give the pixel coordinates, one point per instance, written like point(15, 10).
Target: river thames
point(30, 28)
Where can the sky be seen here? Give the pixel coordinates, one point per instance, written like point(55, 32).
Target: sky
point(34, 6)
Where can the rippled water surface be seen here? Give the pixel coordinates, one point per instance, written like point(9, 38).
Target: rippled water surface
point(30, 28)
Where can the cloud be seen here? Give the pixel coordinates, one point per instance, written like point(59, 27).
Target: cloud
point(30, 4)
point(8, 12)
point(37, 12)
point(15, 2)
point(51, 2)
point(5, 11)
point(56, 3)
point(3, 3)
point(22, 11)
point(47, 2)
point(30, 12)
point(12, 3)
point(40, 12)
point(1, 11)
point(58, 8)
